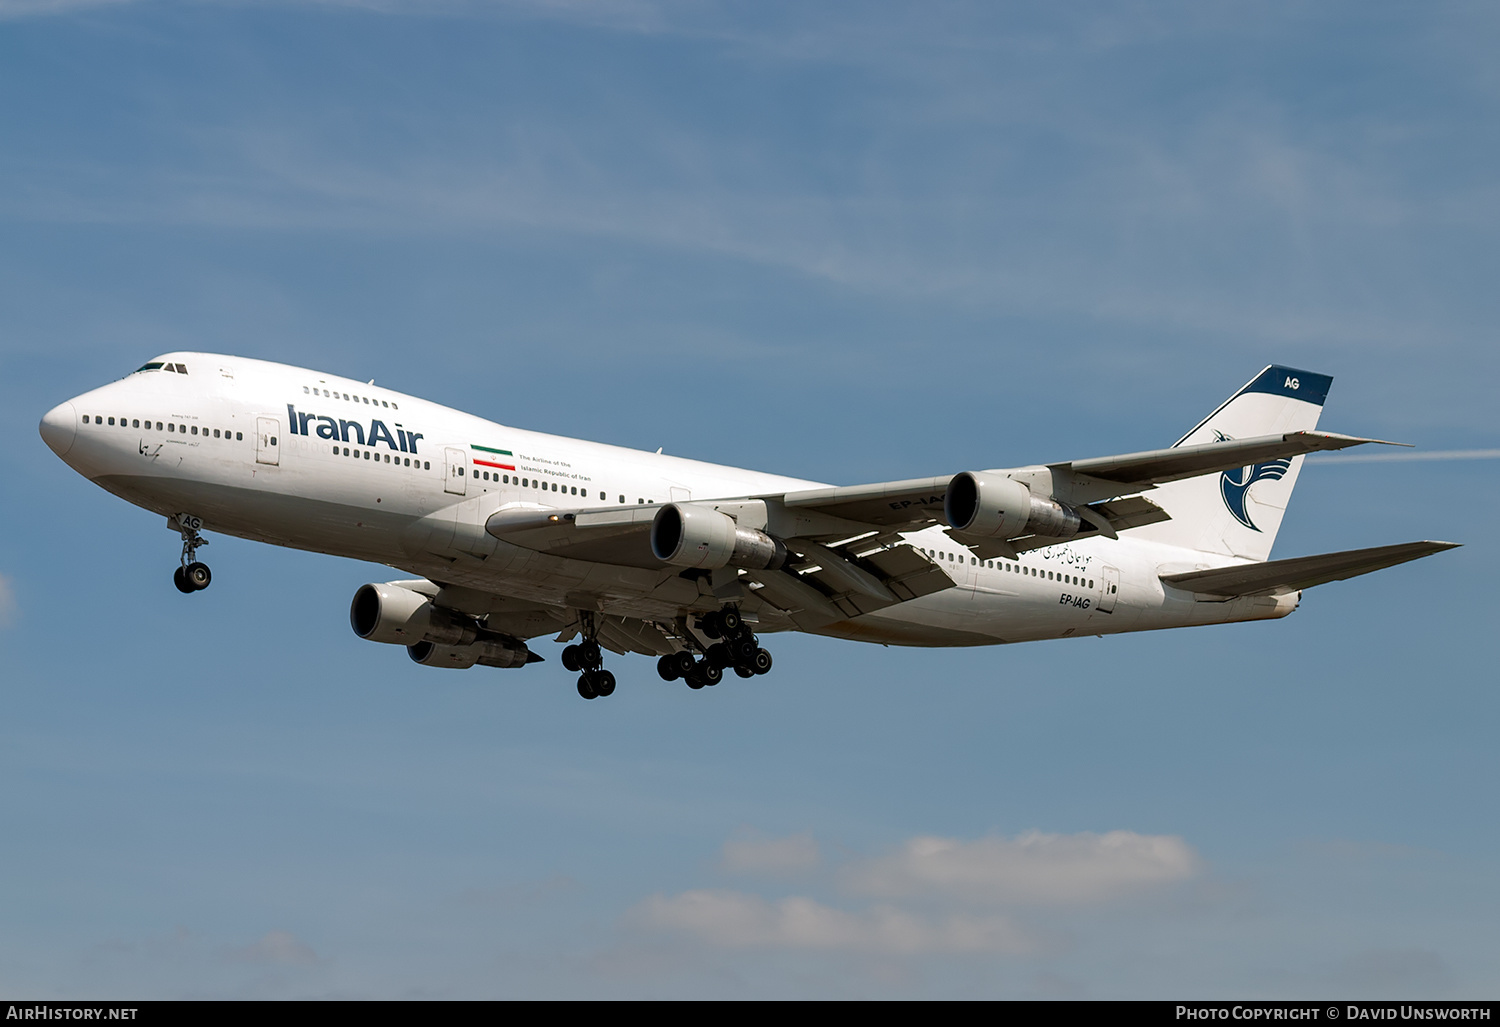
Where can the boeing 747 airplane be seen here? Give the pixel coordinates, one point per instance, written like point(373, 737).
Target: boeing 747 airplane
point(514, 535)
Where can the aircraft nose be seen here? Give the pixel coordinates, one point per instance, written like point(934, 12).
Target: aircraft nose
point(59, 426)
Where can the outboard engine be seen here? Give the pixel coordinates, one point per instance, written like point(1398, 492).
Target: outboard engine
point(1005, 508)
point(394, 614)
point(487, 652)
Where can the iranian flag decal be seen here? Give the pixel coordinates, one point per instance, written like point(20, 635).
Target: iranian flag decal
point(494, 452)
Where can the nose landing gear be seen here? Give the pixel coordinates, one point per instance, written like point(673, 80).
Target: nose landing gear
point(191, 576)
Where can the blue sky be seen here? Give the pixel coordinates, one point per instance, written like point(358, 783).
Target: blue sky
point(849, 243)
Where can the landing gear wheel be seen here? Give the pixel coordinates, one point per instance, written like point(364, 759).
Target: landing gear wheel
point(710, 625)
point(570, 659)
point(711, 675)
point(192, 576)
point(684, 661)
point(604, 683)
point(586, 686)
point(589, 654)
point(730, 621)
point(762, 661)
point(197, 575)
point(667, 668)
point(695, 680)
point(744, 671)
point(719, 655)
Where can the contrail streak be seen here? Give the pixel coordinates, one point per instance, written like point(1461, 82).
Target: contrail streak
point(1436, 454)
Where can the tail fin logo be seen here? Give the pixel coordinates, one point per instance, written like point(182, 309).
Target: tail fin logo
point(1233, 485)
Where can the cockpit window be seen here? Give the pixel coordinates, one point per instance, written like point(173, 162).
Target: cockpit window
point(155, 365)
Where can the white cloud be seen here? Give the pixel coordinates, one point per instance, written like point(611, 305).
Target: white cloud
point(1032, 869)
point(33, 8)
point(914, 884)
point(737, 920)
point(752, 854)
point(7, 603)
point(276, 947)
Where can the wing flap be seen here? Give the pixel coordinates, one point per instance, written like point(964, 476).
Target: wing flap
point(1280, 576)
point(1130, 512)
point(627, 634)
point(908, 573)
point(835, 584)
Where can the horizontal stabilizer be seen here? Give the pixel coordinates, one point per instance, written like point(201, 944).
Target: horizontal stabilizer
point(1280, 576)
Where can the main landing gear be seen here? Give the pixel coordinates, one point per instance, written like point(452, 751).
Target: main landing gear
point(595, 682)
point(735, 646)
point(192, 576)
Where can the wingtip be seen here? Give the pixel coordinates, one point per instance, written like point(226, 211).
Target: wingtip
point(1354, 440)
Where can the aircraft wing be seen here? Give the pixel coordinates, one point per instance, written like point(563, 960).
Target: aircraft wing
point(820, 584)
point(912, 503)
point(1275, 577)
point(917, 502)
point(818, 524)
point(619, 534)
point(1156, 466)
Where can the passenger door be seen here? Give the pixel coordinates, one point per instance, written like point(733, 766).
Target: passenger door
point(267, 441)
point(1110, 579)
point(457, 469)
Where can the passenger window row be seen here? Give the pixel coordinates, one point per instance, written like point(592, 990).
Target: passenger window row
point(533, 483)
point(399, 461)
point(545, 486)
point(1017, 568)
point(336, 394)
point(171, 426)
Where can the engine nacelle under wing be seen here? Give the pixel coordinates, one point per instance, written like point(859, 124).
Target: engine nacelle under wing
point(689, 535)
point(393, 614)
point(1004, 508)
point(487, 652)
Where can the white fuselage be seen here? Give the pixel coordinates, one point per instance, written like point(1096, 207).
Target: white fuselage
point(303, 459)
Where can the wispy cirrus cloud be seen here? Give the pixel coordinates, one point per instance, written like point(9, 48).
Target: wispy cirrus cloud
point(41, 8)
point(1402, 457)
point(1031, 869)
point(277, 948)
point(739, 920)
point(7, 602)
point(934, 895)
point(750, 853)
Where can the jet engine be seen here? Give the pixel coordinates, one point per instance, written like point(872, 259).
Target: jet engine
point(433, 636)
point(487, 652)
point(689, 535)
point(1005, 508)
point(394, 614)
